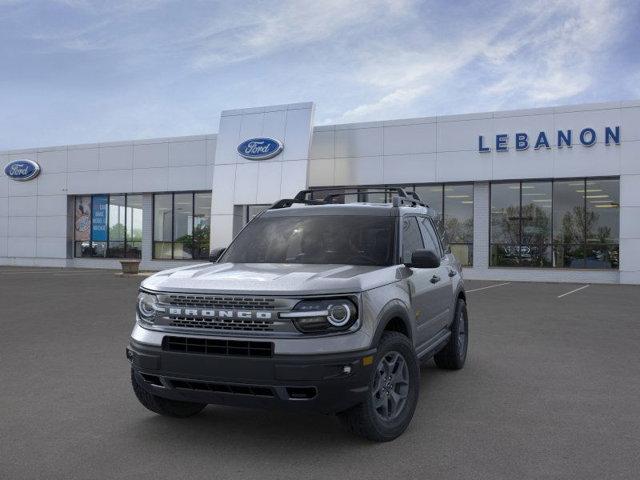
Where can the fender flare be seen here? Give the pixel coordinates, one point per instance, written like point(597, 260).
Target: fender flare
point(393, 309)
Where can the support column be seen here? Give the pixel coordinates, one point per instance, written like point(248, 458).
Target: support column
point(629, 229)
point(147, 227)
point(481, 216)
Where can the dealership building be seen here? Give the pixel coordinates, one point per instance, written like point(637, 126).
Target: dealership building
point(548, 194)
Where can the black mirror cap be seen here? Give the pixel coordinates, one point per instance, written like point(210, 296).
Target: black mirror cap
point(424, 259)
point(215, 254)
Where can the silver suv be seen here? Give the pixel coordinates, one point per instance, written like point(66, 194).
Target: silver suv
point(315, 305)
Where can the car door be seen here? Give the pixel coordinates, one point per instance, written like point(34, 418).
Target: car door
point(444, 274)
point(423, 289)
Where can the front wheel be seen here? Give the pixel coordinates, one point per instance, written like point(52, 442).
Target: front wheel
point(454, 354)
point(393, 392)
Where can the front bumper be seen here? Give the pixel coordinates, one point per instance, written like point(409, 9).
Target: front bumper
point(325, 383)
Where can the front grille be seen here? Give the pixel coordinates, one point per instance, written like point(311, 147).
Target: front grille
point(208, 346)
point(254, 390)
point(217, 301)
point(221, 324)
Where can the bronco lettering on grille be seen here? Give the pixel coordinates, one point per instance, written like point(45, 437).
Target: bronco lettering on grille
point(211, 313)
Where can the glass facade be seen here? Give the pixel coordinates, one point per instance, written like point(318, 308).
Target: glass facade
point(452, 205)
point(108, 226)
point(562, 223)
point(181, 225)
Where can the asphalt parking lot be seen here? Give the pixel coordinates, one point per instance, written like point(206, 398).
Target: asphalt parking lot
point(551, 390)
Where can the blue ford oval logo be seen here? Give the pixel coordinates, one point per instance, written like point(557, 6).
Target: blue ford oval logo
point(260, 148)
point(22, 170)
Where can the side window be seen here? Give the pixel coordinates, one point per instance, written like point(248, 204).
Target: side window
point(411, 238)
point(430, 238)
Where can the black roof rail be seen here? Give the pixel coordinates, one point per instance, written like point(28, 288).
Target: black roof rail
point(402, 197)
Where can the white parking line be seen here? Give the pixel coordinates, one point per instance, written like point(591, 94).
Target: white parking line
point(488, 286)
point(573, 291)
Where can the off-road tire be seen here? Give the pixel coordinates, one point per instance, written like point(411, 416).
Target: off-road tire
point(363, 420)
point(454, 354)
point(164, 406)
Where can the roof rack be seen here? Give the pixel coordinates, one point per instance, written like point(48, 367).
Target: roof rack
point(401, 198)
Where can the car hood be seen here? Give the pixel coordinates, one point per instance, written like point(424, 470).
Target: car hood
point(271, 278)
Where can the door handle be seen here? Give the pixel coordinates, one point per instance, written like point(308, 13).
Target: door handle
point(452, 273)
point(435, 279)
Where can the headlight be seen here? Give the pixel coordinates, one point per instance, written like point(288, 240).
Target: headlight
point(323, 316)
point(147, 306)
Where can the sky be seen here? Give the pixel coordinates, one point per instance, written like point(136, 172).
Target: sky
point(80, 71)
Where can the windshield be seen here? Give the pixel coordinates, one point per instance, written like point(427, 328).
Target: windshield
point(348, 239)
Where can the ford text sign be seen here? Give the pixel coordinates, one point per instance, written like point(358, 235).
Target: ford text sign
point(22, 170)
point(260, 148)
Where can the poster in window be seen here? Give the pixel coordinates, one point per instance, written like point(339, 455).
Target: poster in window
point(99, 218)
point(83, 219)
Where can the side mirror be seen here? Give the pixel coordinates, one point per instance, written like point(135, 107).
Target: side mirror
point(424, 259)
point(215, 254)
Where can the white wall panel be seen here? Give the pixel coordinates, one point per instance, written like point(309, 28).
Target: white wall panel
point(294, 177)
point(463, 135)
point(463, 166)
point(51, 205)
point(84, 182)
point(359, 171)
point(630, 157)
point(188, 178)
point(83, 159)
point(407, 168)
point(22, 189)
point(322, 172)
point(115, 181)
point(297, 136)
point(322, 144)
point(52, 226)
point(269, 180)
point(420, 138)
point(21, 246)
point(22, 227)
point(246, 184)
point(4, 206)
point(188, 153)
point(150, 180)
point(151, 155)
point(22, 206)
point(118, 157)
point(52, 184)
point(51, 247)
point(52, 161)
point(358, 142)
point(630, 124)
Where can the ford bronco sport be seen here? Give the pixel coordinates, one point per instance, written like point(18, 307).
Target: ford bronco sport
point(315, 305)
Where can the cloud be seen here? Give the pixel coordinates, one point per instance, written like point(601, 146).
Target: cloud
point(541, 53)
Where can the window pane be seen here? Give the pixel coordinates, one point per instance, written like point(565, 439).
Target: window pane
point(432, 195)
point(458, 213)
point(602, 256)
point(253, 210)
point(134, 226)
point(201, 225)
point(116, 226)
point(504, 255)
point(505, 213)
point(162, 217)
point(162, 250)
point(183, 226)
point(411, 238)
point(568, 212)
point(569, 256)
point(535, 250)
point(603, 211)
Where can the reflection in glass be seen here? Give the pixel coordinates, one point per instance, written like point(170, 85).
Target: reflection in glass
point(134, 226)
point(182, 225)
point(162, 225)
point(535, 243)
point(201, 224)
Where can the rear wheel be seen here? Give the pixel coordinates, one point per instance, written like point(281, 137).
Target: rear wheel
point(164, 406)
point(393, 392)
point(454, 354)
